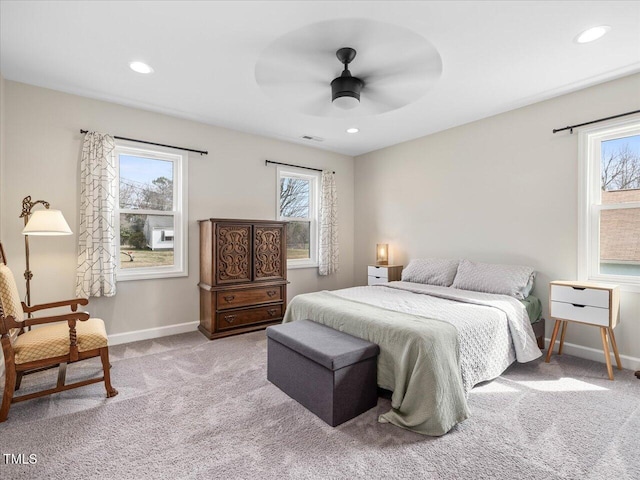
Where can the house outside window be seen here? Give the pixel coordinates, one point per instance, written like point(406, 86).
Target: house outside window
point(609, 216)
point(152, 213)
point(298, 204)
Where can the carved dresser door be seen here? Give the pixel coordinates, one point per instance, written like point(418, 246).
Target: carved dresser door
point(269, 254)
point(234, 253)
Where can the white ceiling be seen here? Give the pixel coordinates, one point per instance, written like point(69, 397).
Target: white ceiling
point(496, 56)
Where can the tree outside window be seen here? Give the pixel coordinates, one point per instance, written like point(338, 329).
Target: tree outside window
point(298, 205)
point(151, 214)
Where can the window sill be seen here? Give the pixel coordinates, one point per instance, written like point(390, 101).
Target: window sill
point(122, 277)
point(302, 265)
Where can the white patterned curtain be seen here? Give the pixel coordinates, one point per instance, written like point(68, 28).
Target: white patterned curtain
point(329, 250)
point(96, 276)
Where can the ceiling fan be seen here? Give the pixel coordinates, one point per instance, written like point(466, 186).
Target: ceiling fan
point(394, 67)
point(345, 89)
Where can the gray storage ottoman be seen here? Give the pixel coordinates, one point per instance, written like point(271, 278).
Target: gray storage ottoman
point(331, 373)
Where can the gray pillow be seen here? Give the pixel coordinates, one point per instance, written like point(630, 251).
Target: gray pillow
point(513, 280)
point(431, 271)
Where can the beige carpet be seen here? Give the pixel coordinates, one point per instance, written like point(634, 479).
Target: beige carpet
point(191, 408)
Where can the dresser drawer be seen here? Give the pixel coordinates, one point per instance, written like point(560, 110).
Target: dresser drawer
point(236, 318)
point(580, 296)
point(374, 271)
point(377, 280)
point(584, 314)
point(250, 296)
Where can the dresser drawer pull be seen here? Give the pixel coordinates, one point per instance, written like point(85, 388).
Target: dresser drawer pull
point(271, 293)
point(576, 305)
point(376, 277)
point(272, 311)
point(579, 288)
point(230, 318)
point(229, 298)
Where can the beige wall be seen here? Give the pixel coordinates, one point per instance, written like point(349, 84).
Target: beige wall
point(41, 159)
point(503, 189)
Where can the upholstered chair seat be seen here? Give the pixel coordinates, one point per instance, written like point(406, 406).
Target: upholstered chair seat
point(53, 340)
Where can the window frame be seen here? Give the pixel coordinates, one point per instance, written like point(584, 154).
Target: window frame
point(590, 201)
point(179, 213)
point(314, 212)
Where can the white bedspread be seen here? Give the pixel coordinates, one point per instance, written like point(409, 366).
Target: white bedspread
point(494, 330)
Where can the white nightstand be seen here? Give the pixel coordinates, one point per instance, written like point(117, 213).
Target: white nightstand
point(589, 303)
point(383, 273)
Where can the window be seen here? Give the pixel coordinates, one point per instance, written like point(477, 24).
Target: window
point(609, 221)
point(298, 204)
point(152, 213)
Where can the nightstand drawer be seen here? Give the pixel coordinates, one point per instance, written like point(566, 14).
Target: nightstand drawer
point(580, 296)
point(374, 271)
point(376, 280)
point(577, 313)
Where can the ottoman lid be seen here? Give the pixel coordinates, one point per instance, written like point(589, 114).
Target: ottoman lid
point(324, 345)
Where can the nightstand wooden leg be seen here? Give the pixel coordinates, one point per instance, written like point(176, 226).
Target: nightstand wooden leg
point(564, 330)
point(553, 340)
point(605, 345)
point(615, 348)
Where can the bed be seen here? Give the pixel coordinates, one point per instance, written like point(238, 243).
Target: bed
point(436, 341)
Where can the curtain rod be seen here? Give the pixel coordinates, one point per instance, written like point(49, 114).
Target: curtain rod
point(201, 152)
point(297, 166)
point(571, 127)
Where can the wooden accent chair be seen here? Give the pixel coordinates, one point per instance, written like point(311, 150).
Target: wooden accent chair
point(79, 338)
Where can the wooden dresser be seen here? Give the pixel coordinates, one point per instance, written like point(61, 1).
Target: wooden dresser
point(243, 275)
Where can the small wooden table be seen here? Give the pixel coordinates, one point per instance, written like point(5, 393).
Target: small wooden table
point(588, 303)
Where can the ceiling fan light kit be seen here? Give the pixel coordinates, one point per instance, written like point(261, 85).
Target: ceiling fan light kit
point(345, 89)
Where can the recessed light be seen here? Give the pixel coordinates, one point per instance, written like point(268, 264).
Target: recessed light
point(140, 67)
point(353, 130)
point(592, 34)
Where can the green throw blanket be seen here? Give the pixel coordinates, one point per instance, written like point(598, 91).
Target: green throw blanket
point(418, 358)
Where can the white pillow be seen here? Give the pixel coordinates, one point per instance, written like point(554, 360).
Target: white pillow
point(431, 271)
point(513, 280)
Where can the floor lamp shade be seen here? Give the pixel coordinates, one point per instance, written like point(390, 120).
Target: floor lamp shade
point(47, 222)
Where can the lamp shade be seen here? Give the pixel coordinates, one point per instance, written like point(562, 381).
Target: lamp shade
point(47, 222)
point(382, 254)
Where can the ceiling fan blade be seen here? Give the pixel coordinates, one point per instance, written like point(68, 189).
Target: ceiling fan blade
point(318, 104)
point(389, 99)
point(426, 66)
point(389, 79)
point(291, 82)
point(290, 68)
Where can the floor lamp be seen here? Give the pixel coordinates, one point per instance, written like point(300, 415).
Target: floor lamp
point(45, 222)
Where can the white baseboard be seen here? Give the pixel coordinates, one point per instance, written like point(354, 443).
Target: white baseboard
point(137, 335)
point(628, 362)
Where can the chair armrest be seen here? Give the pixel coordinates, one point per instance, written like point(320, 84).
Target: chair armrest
point(73, 303)
point(82, 316)
point(8, 323)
